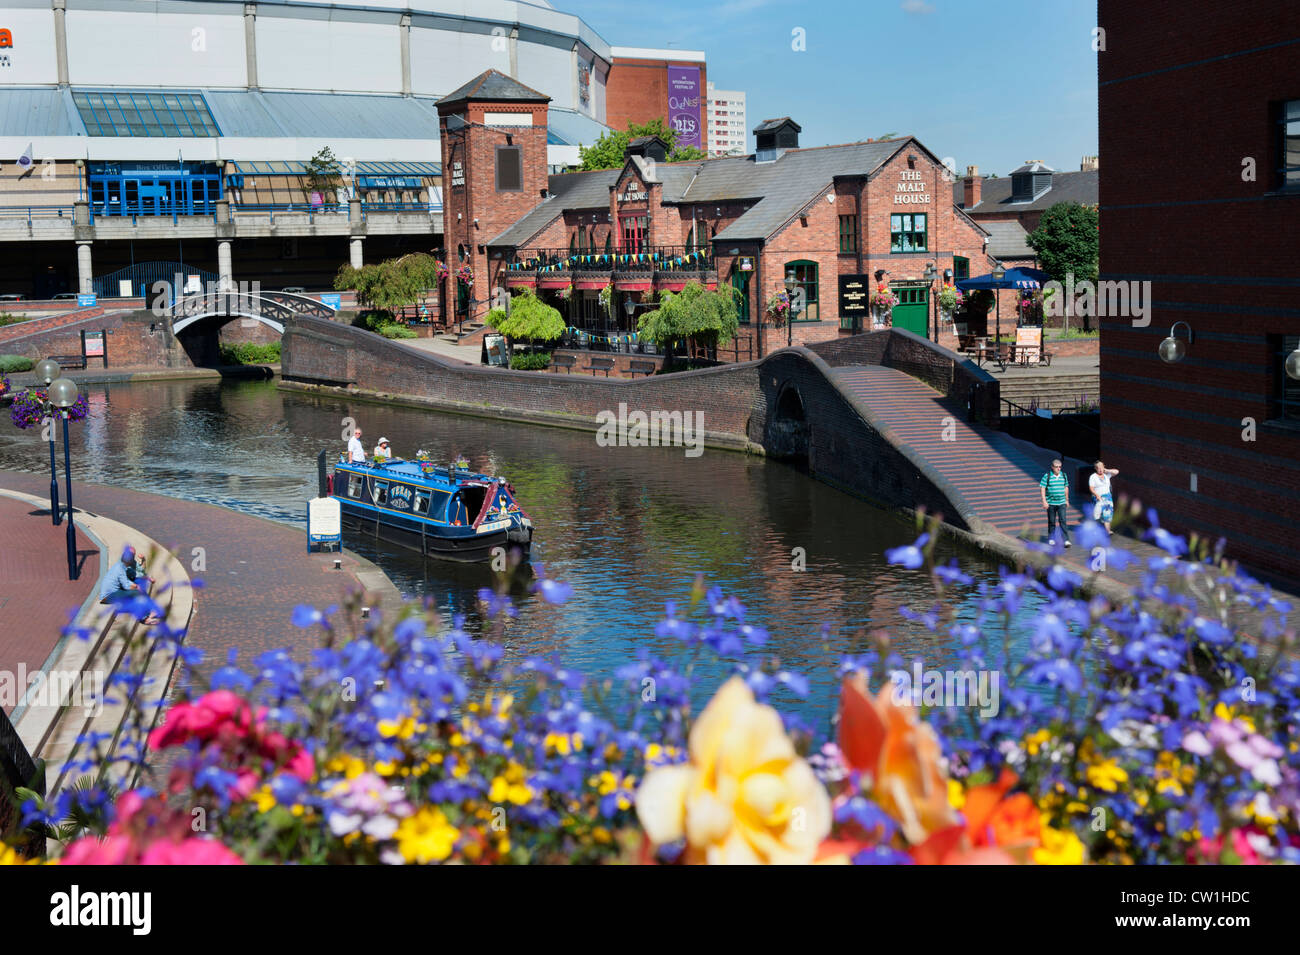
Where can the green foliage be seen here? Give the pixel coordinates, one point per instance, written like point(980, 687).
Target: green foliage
point(8, 319)
point(948, 298)
point(536, 361)
point(979, 301)
point(323, 175)
point(1067, 241)
point(381, 323)
point(246, 353)
point(610, 150)
point(711, 318)
point(392, 284)
point(12, 363)
point(396, 330)
point(530, 319)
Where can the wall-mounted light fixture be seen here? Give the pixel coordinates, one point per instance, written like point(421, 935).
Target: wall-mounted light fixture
point(911, 159)
point(1292, 365)
point(1172, 349)
point(510, 140)
point(476, 222)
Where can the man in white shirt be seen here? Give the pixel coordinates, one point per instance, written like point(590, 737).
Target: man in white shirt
point(1099, 484)
point(356, 453)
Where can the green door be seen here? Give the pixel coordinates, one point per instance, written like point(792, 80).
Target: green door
point(740, 282)
point(913, 310)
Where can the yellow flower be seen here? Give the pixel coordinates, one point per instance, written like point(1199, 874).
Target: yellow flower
point(956, 795)
point(426, 836)
point(264, 799)
point(9, 856)
point(1059, 847)
point(1107, 775)
point(349, 766)
point(1225, 712)
point(601, 835)
point(745, 796)
point(605, 783)
point(1035, 741)
point(386, 768)
point(404, 729)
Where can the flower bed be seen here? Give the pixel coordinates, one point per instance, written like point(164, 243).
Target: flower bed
point(1153, 735)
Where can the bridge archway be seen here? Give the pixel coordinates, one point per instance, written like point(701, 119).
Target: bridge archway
point(188, 320)
point(787, 428)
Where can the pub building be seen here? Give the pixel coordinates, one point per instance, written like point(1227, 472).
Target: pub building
point(833, 218)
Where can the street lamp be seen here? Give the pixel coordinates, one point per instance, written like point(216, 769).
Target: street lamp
point(1172, 350)
point(47, 369)
point(930, 273)
point(791, 283)
point(63, 394)
point(998, 273)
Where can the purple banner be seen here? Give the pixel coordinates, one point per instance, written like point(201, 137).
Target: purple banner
point(684, 105)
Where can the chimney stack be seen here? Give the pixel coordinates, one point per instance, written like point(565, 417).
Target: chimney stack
point(1089, 164)
point(971, 187)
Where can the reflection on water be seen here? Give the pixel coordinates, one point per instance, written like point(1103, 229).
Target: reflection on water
point(628, 527)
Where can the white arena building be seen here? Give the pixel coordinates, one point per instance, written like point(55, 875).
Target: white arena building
point(136, 135)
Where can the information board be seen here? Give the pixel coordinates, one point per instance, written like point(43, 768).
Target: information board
point(85, 301)
point(324, 523)
point(1029, 343)
point(333, 300)
point(855, 300)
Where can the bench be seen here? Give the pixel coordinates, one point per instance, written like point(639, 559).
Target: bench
point(70, 361)
point(600, 364)
point(639, 366)
point(564, 361)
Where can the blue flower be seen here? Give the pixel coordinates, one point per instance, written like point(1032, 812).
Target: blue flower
point(910, 555)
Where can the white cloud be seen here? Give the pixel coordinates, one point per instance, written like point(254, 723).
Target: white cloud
point(917, 6)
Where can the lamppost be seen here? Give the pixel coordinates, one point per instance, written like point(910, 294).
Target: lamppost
point(930, 273)
point(47, 369)
point(791, 283)
point(630, 307)
point(998, 274)
point(63, 394)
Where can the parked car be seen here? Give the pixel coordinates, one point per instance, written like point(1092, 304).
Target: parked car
point(295, 289)
point(11, 298)
point(64, 295)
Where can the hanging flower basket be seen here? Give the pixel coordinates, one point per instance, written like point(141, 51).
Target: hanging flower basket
point(566, 293)
point(28, 408)
point(465, 275)
point(607, 298)
point(778, 306)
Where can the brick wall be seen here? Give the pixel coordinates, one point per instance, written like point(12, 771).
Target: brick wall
point(129, 342)
point(1218, 247)
point(636, 91)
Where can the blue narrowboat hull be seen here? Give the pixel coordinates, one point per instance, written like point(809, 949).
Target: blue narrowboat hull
point(451, 515)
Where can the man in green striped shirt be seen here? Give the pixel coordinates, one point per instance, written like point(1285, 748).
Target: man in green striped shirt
point(1055, 491)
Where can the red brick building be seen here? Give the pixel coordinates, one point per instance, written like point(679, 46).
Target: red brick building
point(1206, 207)
point(821, 213)
point(659, 84)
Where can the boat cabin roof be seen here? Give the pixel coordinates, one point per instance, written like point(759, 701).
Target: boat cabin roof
point(418, 473)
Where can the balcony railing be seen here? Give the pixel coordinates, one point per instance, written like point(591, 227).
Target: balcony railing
point(658, 258)
point(36, 212)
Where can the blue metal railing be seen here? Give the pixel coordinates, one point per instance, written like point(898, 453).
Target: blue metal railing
point(36, 212)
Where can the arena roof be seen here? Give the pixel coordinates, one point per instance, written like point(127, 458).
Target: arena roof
point(308, 115)
point(250, 168)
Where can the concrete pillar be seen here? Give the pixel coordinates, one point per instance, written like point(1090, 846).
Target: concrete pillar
point(514, 53)
point(404, 27)
point(250, 43)
point(61, 40)
point(84, 274)
point(355, 256)
point(225, 276)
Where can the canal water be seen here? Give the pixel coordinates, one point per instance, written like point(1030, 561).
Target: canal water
point(628, 528)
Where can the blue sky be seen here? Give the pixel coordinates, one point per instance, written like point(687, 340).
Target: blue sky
point(989, 83)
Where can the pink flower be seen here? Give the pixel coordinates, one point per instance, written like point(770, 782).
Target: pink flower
point(115, 849)
point(193, 851)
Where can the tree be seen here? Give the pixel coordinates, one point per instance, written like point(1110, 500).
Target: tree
point(710, 318)
point(530, 319)
point(392, 284)
point(610, 151)
point(1067, 241)
point(323, 175)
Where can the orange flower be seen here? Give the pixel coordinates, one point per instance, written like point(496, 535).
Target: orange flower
point(900, 754)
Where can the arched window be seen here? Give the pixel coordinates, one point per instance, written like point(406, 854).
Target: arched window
point(805, 275)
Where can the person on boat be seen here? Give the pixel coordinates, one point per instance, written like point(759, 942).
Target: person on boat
point(1099, 484)
point(356, 451)
point(382, 451)
point(125, 580)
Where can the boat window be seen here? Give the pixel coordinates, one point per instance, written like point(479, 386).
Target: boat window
point(355, 483)
point(473, 498)
point(381, 492)
point(421, 502)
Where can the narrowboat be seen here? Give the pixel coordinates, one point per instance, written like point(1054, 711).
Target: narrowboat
point(438, 511)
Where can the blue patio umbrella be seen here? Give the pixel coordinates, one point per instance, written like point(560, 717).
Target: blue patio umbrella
point(1019, 278)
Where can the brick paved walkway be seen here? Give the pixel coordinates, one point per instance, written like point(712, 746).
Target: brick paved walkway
point(257, 571)
point(36, 598)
